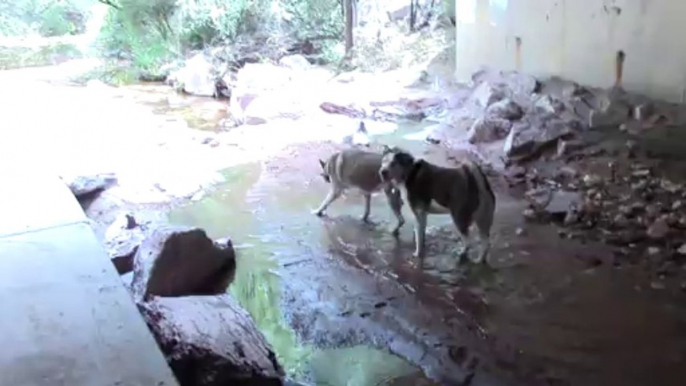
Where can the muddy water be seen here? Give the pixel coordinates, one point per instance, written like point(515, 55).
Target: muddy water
point(197, 112)
point(551, 311)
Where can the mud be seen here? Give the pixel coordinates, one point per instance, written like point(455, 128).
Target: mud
point(550, 311)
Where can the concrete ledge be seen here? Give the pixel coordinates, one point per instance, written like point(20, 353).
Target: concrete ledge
point(66, 317)
point(34, 200)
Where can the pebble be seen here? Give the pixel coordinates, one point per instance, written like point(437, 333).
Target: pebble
point(520, 232)
point(676, 205)
point(682, 249)
point(592, 179)
point(659, 229)
point(529, 213)
point(657, 285)
point(653, 251)
point(621, 221)
point(652, 211)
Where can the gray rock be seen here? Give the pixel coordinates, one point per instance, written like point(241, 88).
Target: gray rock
point(611, 111)
point(554, 202)
point(485, 95)
point(122, 239)
point(536, 132)
point(659, 229)
point(489, 129)
point(198, 76)
point(505, 109)
point(521, 86)
point(295, 62)
point(211, 341)
point(566, 147)
point(561, 88)
point(563, 201)
point(549, 105)
point(181, 261)
point(84, 185)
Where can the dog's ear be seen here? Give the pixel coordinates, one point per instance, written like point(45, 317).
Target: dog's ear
point(385, 149)
point(404, 159)
point(323, 164)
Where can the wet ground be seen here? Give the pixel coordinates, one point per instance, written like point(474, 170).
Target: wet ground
point(550, 311)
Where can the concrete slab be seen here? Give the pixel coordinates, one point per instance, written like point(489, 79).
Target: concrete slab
point(34, 199)
point(66, 319)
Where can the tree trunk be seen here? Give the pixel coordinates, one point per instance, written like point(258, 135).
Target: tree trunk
point(348, 10)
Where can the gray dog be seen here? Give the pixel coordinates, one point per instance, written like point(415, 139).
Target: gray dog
point(359, 170)
point(463, 192)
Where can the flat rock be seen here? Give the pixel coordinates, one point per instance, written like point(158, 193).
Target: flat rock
point(295, 62)
point(83, 185)
point(536, 132)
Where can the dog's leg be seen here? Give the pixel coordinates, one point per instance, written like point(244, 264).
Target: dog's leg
point(462, 224)
point(419, 232)
point(396, 203)
point(484, 221)
point(367, 207)
point(333, 195)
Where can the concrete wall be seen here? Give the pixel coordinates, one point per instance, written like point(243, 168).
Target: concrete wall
point(578, 40)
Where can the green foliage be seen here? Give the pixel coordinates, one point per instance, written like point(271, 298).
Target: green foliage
point(47, 17)
point(18, 57)
point(141, 34)
point(315, 17)
point(151, 32)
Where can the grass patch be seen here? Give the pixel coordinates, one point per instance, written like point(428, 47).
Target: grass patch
point(19, 57)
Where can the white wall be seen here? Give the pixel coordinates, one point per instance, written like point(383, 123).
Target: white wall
point(579, 40)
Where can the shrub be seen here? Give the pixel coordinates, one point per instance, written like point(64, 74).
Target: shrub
point(47, 17)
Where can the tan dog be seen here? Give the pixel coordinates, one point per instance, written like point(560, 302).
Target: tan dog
point(359, 170)
point(463, 192)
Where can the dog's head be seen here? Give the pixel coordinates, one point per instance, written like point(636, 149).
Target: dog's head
point(325, 174)
point(395, 165)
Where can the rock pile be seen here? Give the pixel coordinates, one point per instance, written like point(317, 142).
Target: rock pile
point(633, 209)
point(525, 118)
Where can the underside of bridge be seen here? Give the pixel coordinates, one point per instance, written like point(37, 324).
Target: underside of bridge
point(597, 43)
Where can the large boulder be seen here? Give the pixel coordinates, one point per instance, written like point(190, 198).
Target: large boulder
point(536, 132)
point(211, 341)
point(262, 93)
point(181, 261)
point(198, 76)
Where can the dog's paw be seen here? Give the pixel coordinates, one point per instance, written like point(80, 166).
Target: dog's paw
point(318, 213)
point(395, 232)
